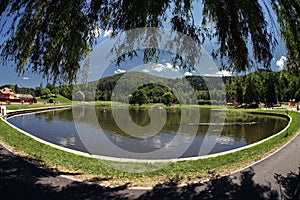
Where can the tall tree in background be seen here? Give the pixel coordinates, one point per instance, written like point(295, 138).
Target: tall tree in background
point(51, 37)
point(288, 14)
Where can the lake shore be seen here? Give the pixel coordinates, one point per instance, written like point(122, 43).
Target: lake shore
point(183, 172)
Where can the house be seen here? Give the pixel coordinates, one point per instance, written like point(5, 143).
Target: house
point(6, 94)
point(26, 98)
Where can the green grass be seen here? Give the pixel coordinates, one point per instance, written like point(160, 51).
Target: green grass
point(58, 98)
point(36, 105)
point(184, 171)
point(149, 105)
point(29, 106)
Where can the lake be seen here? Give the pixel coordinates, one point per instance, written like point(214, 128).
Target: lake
point(185, 132)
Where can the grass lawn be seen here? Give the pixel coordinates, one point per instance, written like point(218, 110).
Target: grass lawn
point(58, 98)
point(29, 106)
point(40, 104)
point(149, 105)
point(178, 172)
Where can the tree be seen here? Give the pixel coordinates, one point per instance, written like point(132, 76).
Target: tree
point(270, 91)
point(288, 13)
point(45, 93)
point(251, 90)
point(139, 97)
point(55, 91)
point(167, 98)
point(294, 84)
point(50, 86)
point(297, 95)
point(239, 89)
point(78, 96)
point(16, 89)
point(236, 22)
point(51, 37)
point(38, 91)
point(66, 91)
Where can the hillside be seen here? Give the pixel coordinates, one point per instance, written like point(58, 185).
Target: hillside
point(59, 98)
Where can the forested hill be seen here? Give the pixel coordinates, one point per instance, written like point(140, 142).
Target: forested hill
point(150, 89)
point(260, 86)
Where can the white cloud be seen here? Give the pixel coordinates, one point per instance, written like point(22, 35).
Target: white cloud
point(164, 67)
point(224, 73)
point(169, 66)
point(210, 75)
point(281, 63)
point(120, 71)
point(25, 78)
point(107, 33)
point(188, 74)
point(146, 70)
point(220, 74)
point(159, 68)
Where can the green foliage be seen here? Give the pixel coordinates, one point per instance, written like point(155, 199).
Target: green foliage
point(57, 98)
point(55, 91)
point(204, 102)
point(167, 98)
point(38, 91)
point(50, 86)
point(45, 93)
point(51, 37)
point(78, 96)
point(47, 37)
point(288, 12)
point(16, 89)
point(262, 86)
point(297, 95)
point(139, 97)
point(66, 91)
point(234, 22)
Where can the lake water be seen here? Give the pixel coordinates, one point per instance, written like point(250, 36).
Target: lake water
point(183, 134)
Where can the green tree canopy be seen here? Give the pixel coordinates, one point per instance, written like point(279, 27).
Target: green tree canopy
point(288, 12)
point(46, 93)
point(51, 37)
point(139, 97)
point(167, 98)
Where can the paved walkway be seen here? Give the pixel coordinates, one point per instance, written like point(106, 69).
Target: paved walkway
point(20, 178)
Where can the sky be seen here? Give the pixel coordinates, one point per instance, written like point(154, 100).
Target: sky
point(163, 68)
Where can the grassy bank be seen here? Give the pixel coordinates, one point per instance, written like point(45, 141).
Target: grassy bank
point(57, 98)
point(179, 172)
point(149, 105)
point(30, 106)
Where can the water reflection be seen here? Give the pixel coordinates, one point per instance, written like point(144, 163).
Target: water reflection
point(58, 127)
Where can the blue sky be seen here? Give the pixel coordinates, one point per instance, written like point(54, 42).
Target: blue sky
point(9, 76)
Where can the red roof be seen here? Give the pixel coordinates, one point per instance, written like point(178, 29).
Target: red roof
point(6, 91)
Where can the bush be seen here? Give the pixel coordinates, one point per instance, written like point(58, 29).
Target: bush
point(253, 105)
point(204, 102)
point(46, 93)
point(167, 98)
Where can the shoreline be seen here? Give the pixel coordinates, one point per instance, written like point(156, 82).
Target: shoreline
point(213, 163)
point(117, 159)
